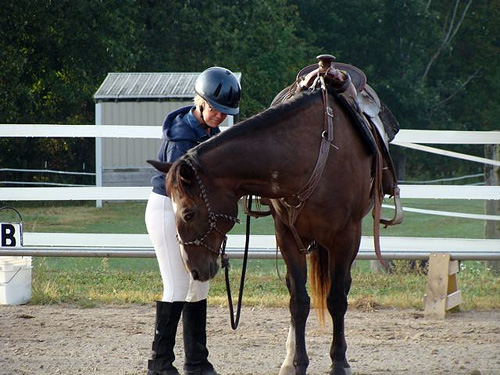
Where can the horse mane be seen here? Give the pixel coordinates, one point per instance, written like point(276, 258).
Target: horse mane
point(261, 120)
point(174, 179)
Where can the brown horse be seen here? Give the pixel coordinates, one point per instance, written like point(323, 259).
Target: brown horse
point(273, 155)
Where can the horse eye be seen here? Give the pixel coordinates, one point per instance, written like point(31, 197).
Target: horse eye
point(188, 215)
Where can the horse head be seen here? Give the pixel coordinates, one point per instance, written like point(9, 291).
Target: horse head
point(202, 219)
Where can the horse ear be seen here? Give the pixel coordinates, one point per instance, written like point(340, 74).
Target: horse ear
point(186, 173)
point(160, 166)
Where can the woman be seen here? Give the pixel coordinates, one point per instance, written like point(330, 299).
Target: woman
point(217, 95)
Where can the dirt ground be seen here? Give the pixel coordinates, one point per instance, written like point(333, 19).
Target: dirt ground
point(116, 340)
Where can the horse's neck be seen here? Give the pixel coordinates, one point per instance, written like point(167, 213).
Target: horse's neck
point(240, 166)
point(270, 162)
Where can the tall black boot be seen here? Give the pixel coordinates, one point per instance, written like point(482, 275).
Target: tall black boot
point(194, 320)
point(167, 319)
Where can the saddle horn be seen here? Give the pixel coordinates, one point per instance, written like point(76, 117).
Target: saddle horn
point(325, 62)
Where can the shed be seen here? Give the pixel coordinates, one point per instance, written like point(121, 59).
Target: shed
point(140, 99)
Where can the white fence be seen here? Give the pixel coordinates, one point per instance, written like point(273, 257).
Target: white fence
point(44, 244)
point(104, 245)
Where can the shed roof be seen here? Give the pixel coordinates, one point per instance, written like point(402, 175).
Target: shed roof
point(148, 86)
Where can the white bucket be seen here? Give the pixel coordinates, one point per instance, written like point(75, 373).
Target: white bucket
point(15, 280)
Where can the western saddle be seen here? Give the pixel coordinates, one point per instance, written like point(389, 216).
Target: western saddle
point(375, 121)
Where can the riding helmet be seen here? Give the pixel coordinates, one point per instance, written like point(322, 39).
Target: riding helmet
point(220, 88)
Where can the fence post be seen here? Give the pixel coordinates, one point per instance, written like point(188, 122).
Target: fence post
point(98, 152)
point(492, 207)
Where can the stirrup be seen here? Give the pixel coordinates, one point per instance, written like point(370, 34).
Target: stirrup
point(255, 213)
point(398, 214)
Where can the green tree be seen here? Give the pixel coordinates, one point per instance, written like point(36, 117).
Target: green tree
point(474, 95)
point(54, 54)
point(432, 63)
point(255, 37)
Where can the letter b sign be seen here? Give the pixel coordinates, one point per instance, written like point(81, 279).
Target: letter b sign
point(11, 235)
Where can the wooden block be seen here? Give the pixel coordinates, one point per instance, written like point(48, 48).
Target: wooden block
point(453, 268)
point(454, 299)
point(437, 286)
point(442, 286)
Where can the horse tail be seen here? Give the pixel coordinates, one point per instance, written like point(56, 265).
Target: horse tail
point(319, 279)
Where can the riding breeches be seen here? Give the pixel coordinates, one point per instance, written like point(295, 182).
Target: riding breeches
point(178, 285)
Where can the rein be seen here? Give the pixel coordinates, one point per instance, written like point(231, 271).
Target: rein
point(235, 320)
point(212, 221)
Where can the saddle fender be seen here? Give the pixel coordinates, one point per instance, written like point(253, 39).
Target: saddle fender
point(369, 103)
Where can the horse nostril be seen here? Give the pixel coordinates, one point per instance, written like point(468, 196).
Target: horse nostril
point(195, 274)
point(214, 268)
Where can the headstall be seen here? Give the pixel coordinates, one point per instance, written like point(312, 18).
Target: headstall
point(212, 219)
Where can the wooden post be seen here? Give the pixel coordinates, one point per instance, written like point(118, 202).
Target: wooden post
point(492, 178)
point(442, 286)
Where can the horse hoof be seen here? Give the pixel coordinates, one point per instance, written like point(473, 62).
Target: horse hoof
point(287, 370)
point(341, 368)
point(293, 370)
point(341, 371)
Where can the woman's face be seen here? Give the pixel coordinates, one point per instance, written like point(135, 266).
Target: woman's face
point(212, 117)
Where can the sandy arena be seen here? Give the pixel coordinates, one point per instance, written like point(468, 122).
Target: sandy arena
point(116, 340)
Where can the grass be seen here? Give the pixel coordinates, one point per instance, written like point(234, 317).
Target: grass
point(90, 281)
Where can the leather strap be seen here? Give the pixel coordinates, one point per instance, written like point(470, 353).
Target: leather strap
point(310, 186)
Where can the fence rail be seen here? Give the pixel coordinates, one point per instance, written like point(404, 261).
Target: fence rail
point(154, 132)
point(142, 193)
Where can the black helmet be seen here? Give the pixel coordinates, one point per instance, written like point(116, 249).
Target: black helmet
point(220, 88)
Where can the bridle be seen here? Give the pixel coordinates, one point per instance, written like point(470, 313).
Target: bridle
point(212, 219)
point(212, 226)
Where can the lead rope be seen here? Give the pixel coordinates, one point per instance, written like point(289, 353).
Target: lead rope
point(225, 263)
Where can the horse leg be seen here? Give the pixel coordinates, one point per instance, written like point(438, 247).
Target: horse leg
point(346, 245)
point(296, 360)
